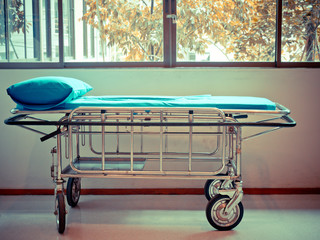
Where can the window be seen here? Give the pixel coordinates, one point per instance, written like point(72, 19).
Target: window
point(226, 31)
point(27, 31)
point(160, 33)
point(117, 31)
point(300, 31)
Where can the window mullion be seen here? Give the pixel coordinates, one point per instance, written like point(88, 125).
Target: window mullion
point(25, 32)
point(169, 33)
point(166, 34)
point(61, 43)
point(278, 33)
point(71, 19)
point(6, 30)
point(48, 29)
point(173, 33)
point(36, 29)
point(85, 33)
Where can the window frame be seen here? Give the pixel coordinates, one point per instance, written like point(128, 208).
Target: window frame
point(169, 57)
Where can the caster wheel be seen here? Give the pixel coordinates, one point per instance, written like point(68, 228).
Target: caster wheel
point(60, 213)
point(211, 188)
point(73, 191)
point(217, 216)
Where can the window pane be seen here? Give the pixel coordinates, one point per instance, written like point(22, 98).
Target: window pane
point(15, 27)
point(68, 29)
point(30, 33)
point(300, 31)
point(226, 30)
point(50, 30)
point(117, 31)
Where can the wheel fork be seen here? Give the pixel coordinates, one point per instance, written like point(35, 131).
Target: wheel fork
point(235, 196)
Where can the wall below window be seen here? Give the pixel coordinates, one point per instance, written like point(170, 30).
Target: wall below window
point(288, 158)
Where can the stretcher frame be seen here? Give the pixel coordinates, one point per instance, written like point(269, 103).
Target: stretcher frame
point(223, 188)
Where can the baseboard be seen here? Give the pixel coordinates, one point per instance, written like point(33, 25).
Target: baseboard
point(162, 191)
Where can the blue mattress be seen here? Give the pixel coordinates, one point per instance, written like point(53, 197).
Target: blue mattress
point(202, 101)
point(222, 102)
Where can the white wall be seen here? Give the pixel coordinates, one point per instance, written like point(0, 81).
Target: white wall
point(285, 158)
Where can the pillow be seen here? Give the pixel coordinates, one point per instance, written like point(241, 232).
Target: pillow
point(44, 93)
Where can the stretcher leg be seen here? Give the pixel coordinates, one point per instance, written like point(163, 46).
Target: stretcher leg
point(60, 206)
point(60, 213)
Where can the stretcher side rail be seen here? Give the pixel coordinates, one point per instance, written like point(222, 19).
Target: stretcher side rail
point(158, 116)
point(280, 111)
point(18, 120)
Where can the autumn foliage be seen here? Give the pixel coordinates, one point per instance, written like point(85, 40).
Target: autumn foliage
point(242, 30)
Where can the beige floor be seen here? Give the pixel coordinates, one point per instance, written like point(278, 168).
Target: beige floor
point(155, 217)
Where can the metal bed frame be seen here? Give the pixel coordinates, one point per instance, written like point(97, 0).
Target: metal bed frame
point(107, 127)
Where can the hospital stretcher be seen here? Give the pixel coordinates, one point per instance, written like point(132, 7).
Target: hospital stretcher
point(130, 137)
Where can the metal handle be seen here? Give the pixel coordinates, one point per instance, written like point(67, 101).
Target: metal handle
point(51, 135)
point(290, 121)
point(173, 17)
point(170, 10)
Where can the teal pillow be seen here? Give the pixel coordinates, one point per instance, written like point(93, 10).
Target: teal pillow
point(44, 93)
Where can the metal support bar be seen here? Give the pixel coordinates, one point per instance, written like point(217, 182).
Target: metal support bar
point(238, 151)
point(118, 138)
point(260, 133)
point(141, 137)
point(59, 181)
point(161, 141)
point(131, 143)
point(103, 119)
point(190, 140)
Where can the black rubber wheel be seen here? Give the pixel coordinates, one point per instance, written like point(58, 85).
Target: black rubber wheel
point(73, 191)
point(211, 188)
point(218, 218)
point(60, 213)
